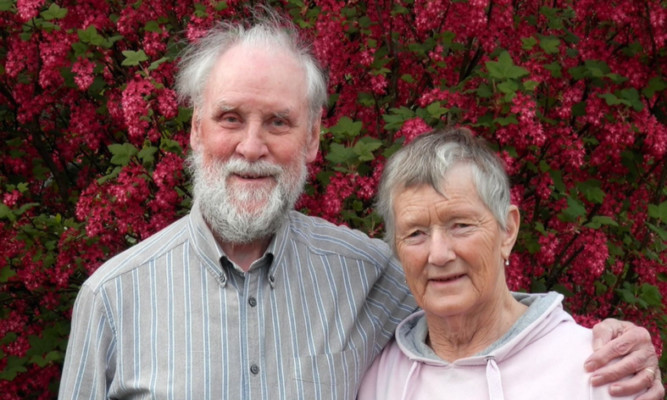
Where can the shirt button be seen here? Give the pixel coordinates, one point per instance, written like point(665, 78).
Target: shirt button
point(254, 369)
point(252, 301)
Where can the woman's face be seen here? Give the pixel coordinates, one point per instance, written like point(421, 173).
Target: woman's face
point(451, 247)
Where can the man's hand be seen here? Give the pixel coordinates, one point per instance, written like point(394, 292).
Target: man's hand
point(638, 363)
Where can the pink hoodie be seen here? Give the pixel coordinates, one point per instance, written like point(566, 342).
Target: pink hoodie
point(541, 357)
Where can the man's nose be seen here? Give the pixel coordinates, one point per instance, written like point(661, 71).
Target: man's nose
point(253, 143)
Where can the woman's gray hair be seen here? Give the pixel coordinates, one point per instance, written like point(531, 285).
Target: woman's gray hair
point(266, 28)
point(426, 161)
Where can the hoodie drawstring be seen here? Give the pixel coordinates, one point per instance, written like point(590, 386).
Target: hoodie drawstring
point(413, 369)
point(493, 380)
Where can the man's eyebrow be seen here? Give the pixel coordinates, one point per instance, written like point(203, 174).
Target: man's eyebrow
point(286, 113)
point(223, 106)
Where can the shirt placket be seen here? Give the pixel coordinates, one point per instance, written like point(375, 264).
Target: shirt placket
point(252, 340)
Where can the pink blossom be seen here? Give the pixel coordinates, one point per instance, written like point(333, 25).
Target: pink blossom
point(83, 71)
point(413, 128)
point(135, 108)
point(28, 9)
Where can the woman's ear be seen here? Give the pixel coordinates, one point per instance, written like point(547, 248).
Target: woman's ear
point(511, 231)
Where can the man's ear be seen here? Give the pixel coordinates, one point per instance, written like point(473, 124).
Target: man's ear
point(313, 141)
point(511, 232)
point(195, 138)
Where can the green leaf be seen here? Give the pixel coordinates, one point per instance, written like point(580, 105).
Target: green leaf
point(555, 68)
point(133, 58)
point(557, 177)
point(365, 146)
point(508, 120)
point(550, 44)
point(91, 36)
point(14, 367)
point(530, 85)
point(396, 117)
point(578, 73)
point(7, 213)
point(6, 5)
point(574, 210)
point(650, 294)
point(339, 154)
point(152, 26)
point(155, 64)
point(484, 91)
point(600, 220)
point(658, 211)
point(627, 293)
point(346, 128)
point(597, 68)
point(504, 68)
point(616, 78)
point(528, 43)
point(6, 272)
point(579, 109)
point(112, 175)
point(147, 155)
point(508, 87)
point(658, 230)
point(592, 191)
point(436, 110)
point(631, 96)
point(122, 153)
point(655, 84)
point(54, 12)
point(170, 145)
point(611, 99)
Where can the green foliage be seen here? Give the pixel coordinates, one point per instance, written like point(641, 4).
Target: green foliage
point(93, 140)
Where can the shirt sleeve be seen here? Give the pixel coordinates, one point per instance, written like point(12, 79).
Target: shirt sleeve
point(90, 358)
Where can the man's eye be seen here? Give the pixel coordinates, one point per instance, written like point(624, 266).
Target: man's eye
point(279, 124)
point(230, 118)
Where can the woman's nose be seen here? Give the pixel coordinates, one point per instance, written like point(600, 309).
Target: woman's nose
point(440, 249)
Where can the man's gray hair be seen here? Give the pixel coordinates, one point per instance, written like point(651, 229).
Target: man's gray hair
point(265, 28)
point(428, 159)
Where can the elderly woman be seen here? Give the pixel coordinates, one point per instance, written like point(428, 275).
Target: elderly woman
point(446, 204)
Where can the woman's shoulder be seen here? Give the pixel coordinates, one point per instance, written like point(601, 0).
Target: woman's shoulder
point(389, 368)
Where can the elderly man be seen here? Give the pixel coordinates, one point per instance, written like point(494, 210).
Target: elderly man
point(244, 297)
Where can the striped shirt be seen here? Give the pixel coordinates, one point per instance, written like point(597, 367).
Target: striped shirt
point(173, 318)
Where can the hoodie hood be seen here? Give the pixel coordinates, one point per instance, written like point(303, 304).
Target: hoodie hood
point(544, 314)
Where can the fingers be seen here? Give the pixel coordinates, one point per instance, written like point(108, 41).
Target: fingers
point(606, 330)
point(655, 392)
point(629, 341)
point(626, 367)
point(636, 384)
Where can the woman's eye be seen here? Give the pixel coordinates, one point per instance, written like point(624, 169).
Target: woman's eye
point(413, 236)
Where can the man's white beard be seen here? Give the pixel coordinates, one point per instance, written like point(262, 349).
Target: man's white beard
point(225, 209)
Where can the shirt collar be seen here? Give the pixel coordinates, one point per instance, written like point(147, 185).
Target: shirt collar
point(215, 259)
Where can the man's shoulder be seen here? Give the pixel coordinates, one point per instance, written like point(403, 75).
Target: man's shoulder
point(158, 244)
point(324, 236)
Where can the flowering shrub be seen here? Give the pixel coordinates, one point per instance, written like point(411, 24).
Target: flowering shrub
point(571, 93)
